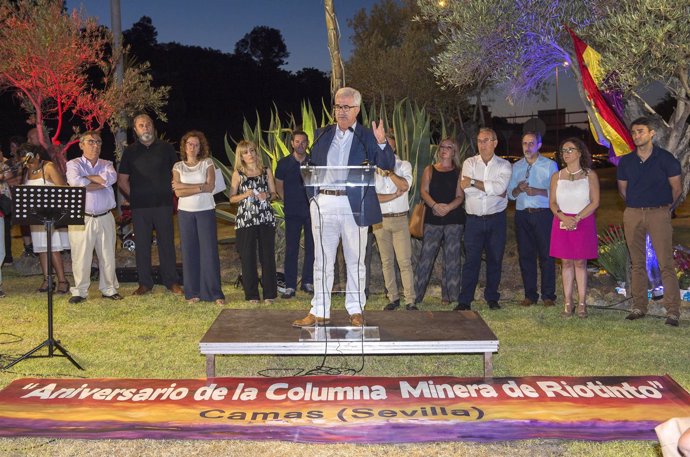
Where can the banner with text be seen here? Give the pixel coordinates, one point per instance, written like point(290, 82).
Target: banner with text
point(343, 409)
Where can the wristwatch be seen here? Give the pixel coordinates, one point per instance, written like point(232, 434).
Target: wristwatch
point(472, 182)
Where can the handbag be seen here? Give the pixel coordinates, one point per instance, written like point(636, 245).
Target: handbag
point(220, 182)
point(417, 220)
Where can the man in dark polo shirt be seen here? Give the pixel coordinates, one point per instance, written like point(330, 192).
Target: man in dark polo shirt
point(290, 187)
point(649, 182)
point(145, 177)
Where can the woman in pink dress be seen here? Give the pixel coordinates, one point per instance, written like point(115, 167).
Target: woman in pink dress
point(574, 198)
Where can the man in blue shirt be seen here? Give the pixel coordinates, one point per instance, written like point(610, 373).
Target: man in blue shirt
point(649, 182)
point(529, 187)
point(290, 188)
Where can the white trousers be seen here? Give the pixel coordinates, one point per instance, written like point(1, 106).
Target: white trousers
point(332, 221)
point(97, 233)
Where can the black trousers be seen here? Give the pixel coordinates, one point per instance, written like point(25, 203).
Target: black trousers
point(160, 219)
point(247, 240)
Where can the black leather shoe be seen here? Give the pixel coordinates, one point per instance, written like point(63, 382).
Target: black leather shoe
point(462, 307)
point(411, 307)
point(76, 299)
point(392, 306)
point(114, 296)
point(493, 304)
point(672, 321)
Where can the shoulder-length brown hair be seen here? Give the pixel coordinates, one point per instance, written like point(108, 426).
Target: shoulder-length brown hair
point(241, 148)
point(585, 155)
point(204, 150)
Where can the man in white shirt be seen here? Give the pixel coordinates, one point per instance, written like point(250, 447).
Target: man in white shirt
point(393, 233)
point(485, 178)
point(98, 232)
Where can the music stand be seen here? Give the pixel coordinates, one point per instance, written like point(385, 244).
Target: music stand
point(49, 206)
point(360, 178)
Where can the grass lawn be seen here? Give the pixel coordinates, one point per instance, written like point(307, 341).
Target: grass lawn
point(156, 336)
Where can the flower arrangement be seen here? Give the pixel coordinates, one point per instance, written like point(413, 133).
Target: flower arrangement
point(613, 252)
point(681, 255)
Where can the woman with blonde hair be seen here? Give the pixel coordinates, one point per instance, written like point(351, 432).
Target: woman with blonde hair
point(194, 179)
point(252, 188)
point(444, 220)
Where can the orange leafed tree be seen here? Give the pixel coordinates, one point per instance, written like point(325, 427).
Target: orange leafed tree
point(61, 65)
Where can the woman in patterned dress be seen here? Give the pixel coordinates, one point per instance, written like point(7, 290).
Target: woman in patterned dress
point(252, 188)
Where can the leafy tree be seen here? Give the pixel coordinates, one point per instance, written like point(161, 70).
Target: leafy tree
point(265, 46)
point(62, 65)
point(518, 44)
point(142, 33)
point(392, 58)
point(643, 42)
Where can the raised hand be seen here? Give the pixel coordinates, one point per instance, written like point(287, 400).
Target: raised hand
point(379, 131)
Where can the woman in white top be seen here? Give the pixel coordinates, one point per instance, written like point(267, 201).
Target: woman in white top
point(40, 171)
point(194, 179)
point(573, 199)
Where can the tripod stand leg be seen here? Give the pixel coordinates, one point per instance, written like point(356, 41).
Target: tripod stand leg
point(66, 354)
point(27, 355)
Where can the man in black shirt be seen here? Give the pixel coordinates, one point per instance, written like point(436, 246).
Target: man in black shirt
point(145, 177)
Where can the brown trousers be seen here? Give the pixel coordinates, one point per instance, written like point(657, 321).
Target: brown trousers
point(638, 222)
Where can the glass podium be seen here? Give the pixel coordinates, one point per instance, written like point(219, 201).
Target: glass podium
point(357, 179)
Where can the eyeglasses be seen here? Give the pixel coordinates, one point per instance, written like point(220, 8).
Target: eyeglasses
point(344, 108)
point(93, 142)
point(568, 150)
point(485, 140)
point(191, 144)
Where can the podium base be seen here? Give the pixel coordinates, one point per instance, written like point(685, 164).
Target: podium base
point(320, 334)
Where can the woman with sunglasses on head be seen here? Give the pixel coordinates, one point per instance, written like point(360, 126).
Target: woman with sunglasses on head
point(574, 198)
point(252, 188)
point(40, 171)
point(444, 221)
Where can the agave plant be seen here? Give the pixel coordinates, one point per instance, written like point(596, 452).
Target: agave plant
point(613, 252)
point(410, 124)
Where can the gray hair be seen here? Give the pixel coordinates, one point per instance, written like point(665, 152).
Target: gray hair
point(350, 92)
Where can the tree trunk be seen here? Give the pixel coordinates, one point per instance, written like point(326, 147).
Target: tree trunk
point(337, 69)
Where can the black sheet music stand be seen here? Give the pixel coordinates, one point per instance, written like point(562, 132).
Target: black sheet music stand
point(48, 206)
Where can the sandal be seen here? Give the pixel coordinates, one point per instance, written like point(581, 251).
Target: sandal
point(582, 310)
point(220, 301)
point(44, 285)
point(568, 310)
point(62, 288)
point(254, 302)
point(269, 301)
point(193, 300)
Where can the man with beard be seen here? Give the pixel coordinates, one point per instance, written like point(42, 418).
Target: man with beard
point(290, 188)
point(145, 177)
point(649, 182)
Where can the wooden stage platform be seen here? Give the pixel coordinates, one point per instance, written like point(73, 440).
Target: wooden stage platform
point(253, 331)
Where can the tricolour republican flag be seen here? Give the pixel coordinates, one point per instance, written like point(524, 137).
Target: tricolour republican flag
point(612, 132)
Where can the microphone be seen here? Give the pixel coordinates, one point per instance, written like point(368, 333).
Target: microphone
point(366, 150)
point(27, 157)
point(309, 148)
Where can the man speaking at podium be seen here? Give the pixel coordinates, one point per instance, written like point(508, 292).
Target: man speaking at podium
point(343, 212)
